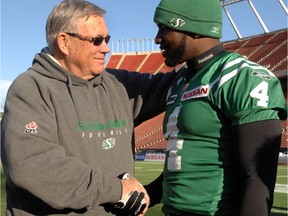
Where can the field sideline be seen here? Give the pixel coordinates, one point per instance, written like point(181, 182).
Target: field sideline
point(148, 171)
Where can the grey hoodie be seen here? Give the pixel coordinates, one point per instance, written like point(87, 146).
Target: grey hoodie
point(65, 140)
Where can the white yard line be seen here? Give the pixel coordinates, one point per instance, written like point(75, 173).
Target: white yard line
point(281, 188)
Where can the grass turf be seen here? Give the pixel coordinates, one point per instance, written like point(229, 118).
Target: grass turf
point(148, 171)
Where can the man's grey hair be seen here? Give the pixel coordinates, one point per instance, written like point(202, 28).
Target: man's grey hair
point(66, 15)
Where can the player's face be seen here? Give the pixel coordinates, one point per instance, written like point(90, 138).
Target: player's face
point(172, 44)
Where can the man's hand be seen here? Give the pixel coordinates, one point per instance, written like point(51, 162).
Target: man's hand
point(134, 200)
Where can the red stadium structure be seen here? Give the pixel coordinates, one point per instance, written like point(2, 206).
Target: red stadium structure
point(268, 49)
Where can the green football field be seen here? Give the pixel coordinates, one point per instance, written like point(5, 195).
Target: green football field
point(148, 171)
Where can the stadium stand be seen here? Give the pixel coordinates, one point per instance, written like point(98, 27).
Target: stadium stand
point(153, 63)
point(132, 62)
point(269, 50)
point(115, 60)
point(149, 136)
point(284, 127)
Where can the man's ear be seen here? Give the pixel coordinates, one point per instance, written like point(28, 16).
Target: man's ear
point(62, 42)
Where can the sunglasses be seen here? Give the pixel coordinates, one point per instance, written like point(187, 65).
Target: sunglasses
point(96, 41)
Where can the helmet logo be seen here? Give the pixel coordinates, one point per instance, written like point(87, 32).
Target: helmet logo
point(177, 22)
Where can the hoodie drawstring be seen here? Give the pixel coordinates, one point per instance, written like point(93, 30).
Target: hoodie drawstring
point(77, 107)
point(103, 84)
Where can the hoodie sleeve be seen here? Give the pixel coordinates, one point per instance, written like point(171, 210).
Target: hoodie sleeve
point(36, 164)
point(147, 92)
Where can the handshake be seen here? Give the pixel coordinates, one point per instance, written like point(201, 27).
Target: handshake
point(134, 200)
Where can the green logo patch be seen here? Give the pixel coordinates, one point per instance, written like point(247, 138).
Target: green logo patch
point(108, 143)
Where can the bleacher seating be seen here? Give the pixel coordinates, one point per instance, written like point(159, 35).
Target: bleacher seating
point(278, 54)
point(284, 137)
point(262, 48)
point(284, 127)
point(132, 62)
point(153, 63)
point(114, 60)
point(268, 50)
point(149, 135)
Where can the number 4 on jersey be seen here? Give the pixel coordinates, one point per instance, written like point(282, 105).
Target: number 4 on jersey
point(260, 92)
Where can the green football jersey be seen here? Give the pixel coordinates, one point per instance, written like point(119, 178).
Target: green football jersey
point(199, 172)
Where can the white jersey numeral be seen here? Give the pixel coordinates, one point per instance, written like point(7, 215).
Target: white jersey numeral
point(174, 144)
point(260, 92)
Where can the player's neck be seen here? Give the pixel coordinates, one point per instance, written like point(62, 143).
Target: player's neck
point(197, 63)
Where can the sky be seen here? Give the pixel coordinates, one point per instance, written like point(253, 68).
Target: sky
point(23, 27)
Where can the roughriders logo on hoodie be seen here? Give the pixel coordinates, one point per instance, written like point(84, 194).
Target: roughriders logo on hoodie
point(108, 143)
